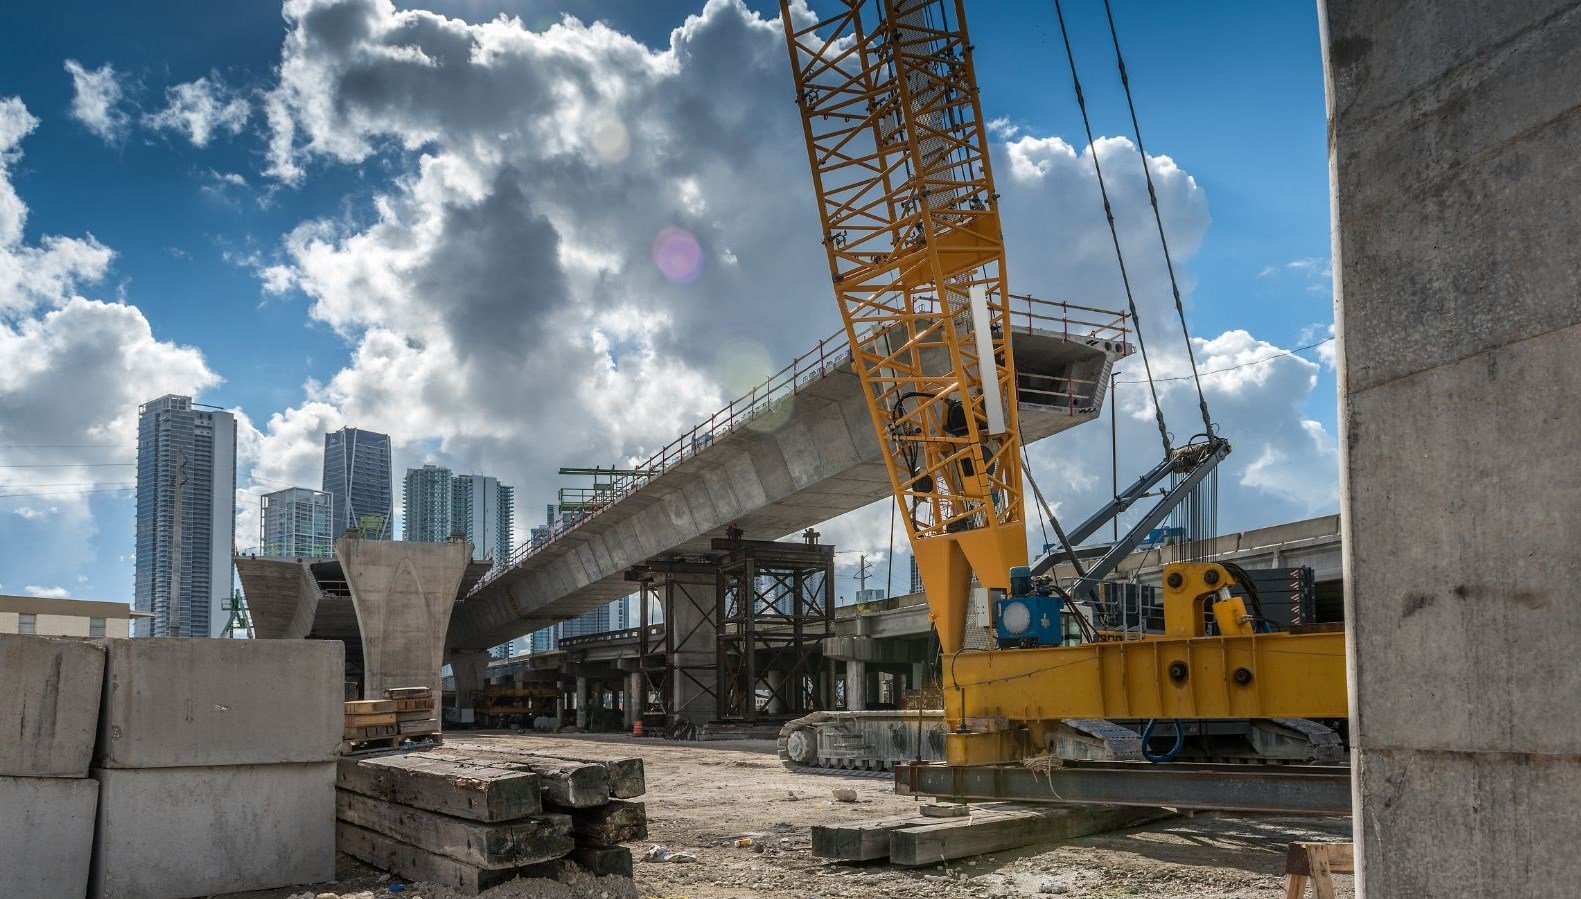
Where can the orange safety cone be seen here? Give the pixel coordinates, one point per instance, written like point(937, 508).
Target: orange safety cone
point(636, 728)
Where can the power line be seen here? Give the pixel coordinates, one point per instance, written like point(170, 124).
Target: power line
point(85, 484)
point(65, 492)
point(1299, 349)
point(67, 446)
point(74, 465)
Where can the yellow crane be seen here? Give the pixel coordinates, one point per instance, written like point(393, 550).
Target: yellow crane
point(901, 168)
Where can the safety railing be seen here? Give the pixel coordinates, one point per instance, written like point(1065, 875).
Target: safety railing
point(620, 636)
point(1027, 314)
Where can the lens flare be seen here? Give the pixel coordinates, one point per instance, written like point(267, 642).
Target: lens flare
point(678, 255)
point(611, 140)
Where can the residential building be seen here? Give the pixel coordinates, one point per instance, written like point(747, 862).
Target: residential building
point(186, 514)
point(427, 499)
point(484, 510)
point(916, 577)
point(294, 523)
point(545, 640)
point(49, 617)
point(594, 621)
point(358, 477)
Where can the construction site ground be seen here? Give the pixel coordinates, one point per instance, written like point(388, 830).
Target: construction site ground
point(703, 798)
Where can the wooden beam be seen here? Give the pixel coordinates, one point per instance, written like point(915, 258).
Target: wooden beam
point(474, 792)
point(495, 846)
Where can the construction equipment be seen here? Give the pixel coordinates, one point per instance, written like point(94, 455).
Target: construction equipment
point(515, 706)
point(911, 228)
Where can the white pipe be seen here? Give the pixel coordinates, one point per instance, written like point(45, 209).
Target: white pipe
point(993, 403)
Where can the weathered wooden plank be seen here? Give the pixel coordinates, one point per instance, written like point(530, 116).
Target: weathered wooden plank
point(504, 845)
point(414, 705)
point(575, 784)
point(627, 779)
point(601, 861)
point(859, 841)
point(370, 720)
point(422, 726)
point(474, 792)
point(409, 693)
point(616, 821)
point(412, 863)
point(999, 826)
point(370, 706)
point(371, 732)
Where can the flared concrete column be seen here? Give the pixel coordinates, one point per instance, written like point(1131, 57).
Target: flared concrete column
point(1453, 129)
point(855, 686)
point(470, 670)
point(403, 593)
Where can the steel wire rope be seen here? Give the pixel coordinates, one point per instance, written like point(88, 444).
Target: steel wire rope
point(1158, 219)
point(1114, 233)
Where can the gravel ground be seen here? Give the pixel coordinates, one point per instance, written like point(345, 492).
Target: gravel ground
point(705, 798)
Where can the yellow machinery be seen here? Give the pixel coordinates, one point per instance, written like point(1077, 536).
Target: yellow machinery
point(901, 168)
point(515, 706)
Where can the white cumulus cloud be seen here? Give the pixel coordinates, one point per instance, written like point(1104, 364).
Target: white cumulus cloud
point(96, 100)
point(201, 109)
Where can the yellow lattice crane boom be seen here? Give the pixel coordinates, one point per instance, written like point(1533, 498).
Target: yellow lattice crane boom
point(911, 227)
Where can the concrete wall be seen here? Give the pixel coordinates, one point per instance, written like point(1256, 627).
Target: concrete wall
point(176, 702)
point(46, 835)
point(207, 830)
point(49, 705)
point(1457, 193)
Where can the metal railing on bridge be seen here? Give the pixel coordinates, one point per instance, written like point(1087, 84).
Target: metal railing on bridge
point(622, 635)
point(1027, 314)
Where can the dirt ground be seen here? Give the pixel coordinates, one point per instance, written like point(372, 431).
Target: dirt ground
point(704, 797)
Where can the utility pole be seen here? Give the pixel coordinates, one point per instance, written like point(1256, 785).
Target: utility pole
point(861, 572)
point(173, 607)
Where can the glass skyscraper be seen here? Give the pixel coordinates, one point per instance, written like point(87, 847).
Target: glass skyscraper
point(427, 495)
point(295, 524)
point(484, 510)
point(357, 476)
point(186, 517)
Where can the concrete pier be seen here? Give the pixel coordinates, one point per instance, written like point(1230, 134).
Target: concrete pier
point(1454, 128)
point(403, 593)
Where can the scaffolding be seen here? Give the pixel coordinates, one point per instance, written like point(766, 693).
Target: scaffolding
point(743, 631)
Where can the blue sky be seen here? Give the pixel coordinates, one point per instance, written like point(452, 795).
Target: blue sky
point(1232, 92)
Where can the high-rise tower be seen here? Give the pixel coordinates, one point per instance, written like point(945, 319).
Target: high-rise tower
point(427, 498)
point(357, 477)
point(186, 517)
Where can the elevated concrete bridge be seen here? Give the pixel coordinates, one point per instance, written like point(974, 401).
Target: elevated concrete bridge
point(795, 452)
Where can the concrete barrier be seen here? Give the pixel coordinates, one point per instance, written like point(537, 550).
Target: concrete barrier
point(46, 835)
point(171, 702)
point(206, 830)
point(49, 706)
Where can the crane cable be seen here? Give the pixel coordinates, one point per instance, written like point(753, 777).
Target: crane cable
point(1114, 234)
point(1152, 196)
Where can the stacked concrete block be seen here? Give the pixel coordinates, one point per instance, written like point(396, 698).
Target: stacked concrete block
point(477, 817)
point(216, 766)
point(49, 709)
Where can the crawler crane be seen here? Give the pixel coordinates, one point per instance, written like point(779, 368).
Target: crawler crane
point(911, 226)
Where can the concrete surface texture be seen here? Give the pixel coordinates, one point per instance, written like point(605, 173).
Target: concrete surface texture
point(49, 705)
point(806, 458)
point(403, 592)
point(1457, 194)
point(46, 835)
point(172, 702)
point(206, 830)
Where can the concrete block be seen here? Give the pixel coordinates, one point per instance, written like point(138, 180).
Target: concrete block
point(49, 707)
point(46, 835)
point(171, 702)
point(200, 831)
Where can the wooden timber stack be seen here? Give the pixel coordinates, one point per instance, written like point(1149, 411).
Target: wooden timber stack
point(405, 714)
point(472, 818)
